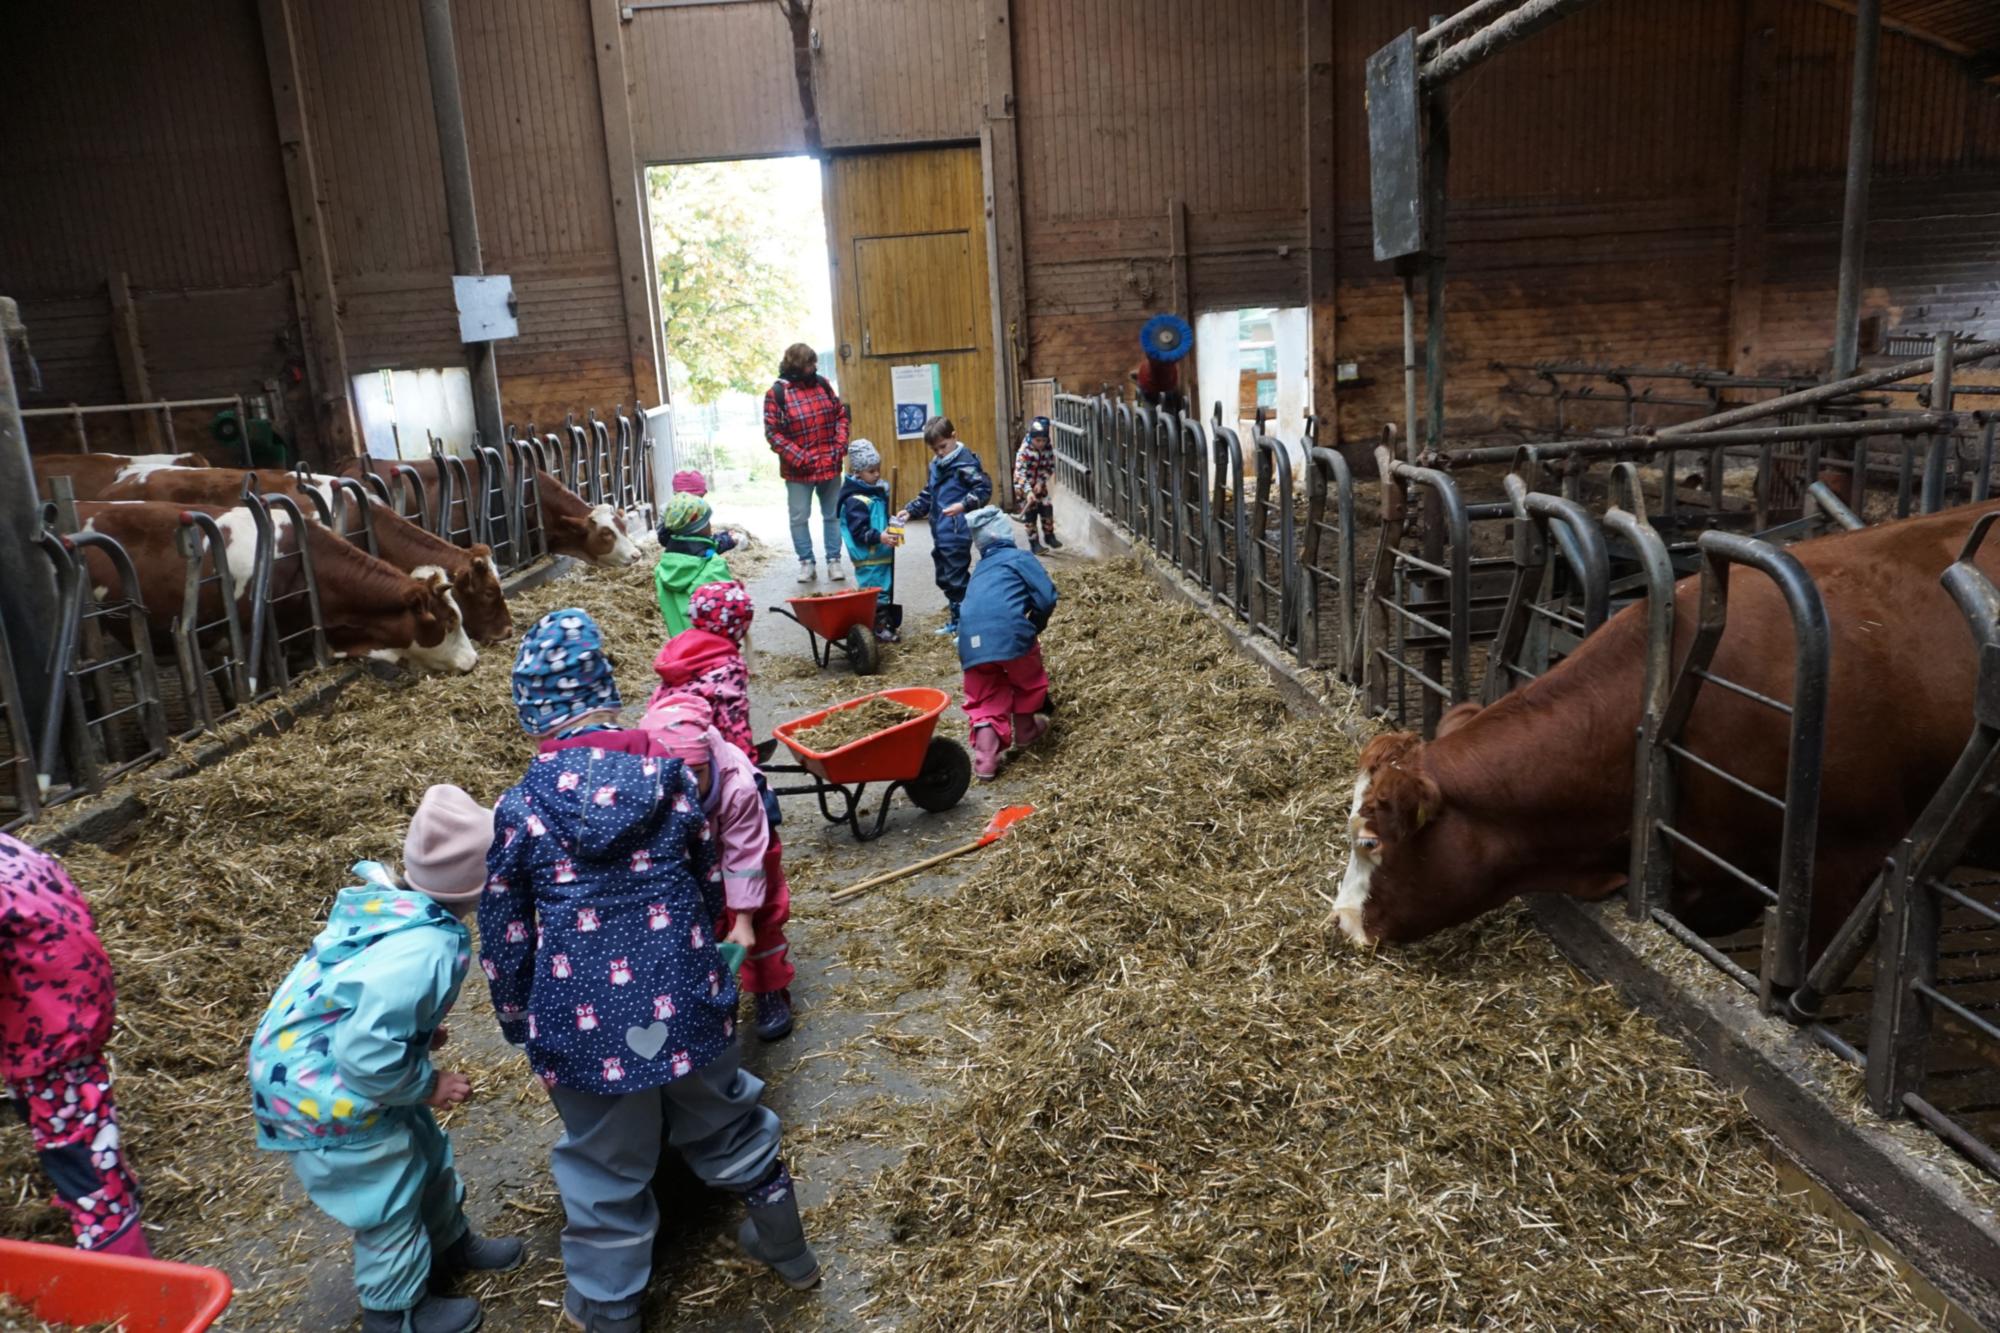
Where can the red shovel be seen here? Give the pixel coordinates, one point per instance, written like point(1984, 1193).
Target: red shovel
point(996, 828)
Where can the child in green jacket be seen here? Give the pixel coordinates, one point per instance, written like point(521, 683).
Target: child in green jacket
point(342, 1081)
point(688, 558)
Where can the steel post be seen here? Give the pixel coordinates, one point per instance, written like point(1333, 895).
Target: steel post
point(1854, 211)
point(461, 213)
point(27, 584)
point(1932, 499)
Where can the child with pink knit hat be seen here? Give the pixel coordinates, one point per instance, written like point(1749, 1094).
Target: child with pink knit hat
point(754, 889)
point(343, 1083)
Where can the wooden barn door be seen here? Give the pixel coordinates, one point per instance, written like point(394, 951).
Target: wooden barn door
point(907, 236)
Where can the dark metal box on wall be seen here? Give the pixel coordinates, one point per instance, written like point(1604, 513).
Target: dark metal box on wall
point(1396, 149)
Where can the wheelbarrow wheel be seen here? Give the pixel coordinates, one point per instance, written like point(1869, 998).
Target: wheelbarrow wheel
point(944, 778)
point(863, 651)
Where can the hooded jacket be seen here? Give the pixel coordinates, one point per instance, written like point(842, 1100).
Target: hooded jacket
point(710, 666)
point(864, 512)
point(56, 1000)
point(686, 564)
point(955, 479)
point(346, 1041)
point(596, 925)
point(1007, 605)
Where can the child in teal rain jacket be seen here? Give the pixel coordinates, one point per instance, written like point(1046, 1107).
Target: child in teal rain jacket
point(864, 519)
point(341, 1075)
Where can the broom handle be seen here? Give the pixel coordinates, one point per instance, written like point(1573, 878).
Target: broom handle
point(906, 871)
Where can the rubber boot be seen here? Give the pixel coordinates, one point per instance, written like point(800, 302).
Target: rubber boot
point(1028, 728)
point(1034, 544)
point(433, 1314)
point(1054, 542)
point(131, 1243)
point(774, 1236)
point(884, 631)
point(774, 1015)
point(590, 1317)
point(986, 751)
point(476, 1254)
point(950, 625)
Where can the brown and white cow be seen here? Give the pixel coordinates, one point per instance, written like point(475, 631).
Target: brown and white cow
point(1534, 793)
point(370, 608)
point(593, 533)
point(90, 474)
point(475, 581)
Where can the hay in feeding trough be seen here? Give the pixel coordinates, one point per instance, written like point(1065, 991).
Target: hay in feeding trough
point(1192, 1106)
point(844, 726)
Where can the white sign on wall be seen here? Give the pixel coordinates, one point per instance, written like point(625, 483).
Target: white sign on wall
point(918, 397)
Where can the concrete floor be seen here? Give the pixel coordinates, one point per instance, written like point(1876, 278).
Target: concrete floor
point(827, 1081)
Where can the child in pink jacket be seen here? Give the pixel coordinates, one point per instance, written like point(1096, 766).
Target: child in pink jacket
point(753, 870)
point(706, 660)
point(56, 1011)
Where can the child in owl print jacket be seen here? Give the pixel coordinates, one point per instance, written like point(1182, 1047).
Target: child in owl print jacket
point(597, 939)
point(342, 1079)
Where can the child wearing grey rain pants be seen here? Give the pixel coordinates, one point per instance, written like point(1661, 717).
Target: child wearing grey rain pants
point(596, 937)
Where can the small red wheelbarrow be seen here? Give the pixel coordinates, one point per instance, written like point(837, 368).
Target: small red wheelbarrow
point(933, 771)
point(65, 1286)
point(843, 620)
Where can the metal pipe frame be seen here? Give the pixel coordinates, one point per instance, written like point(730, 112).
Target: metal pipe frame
point(1191, 494)
point(1228, 575)
point(1831, 391)
point(1484, 43)
point(56, 660)
point(136, 663)
point(497, 509)
point(1389, 599)
point(1274, 490)
point(201, 542)
point(21, 743)
point(1663, 441)
point(349, 492)
point(410, 500)
point(266, 631)
point(1860, 171)
point(1646, 889)
point(1526, 644)
point(1328, 476)
point(1785, 931)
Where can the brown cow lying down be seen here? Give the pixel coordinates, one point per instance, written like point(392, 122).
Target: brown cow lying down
point(370, 608)
point(475, 582)
point(594, 534)
point(1535, 792)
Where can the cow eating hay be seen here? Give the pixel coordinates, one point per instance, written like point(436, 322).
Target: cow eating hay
point(1191, 1108)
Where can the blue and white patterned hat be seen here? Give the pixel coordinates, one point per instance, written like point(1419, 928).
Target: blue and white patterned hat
point(562, 672)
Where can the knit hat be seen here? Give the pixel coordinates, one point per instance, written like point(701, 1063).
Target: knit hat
point(989, 525)
point(722, 608)
point(1038, 429)
point(690, 482)
point(861, 455)
point(679, 725)
point(562, 672)
point(684, 513)
point(444, 853)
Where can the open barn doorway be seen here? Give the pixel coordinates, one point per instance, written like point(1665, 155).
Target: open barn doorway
point(741, 254)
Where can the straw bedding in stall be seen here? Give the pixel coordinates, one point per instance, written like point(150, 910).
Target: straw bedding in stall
point(1190, 1105)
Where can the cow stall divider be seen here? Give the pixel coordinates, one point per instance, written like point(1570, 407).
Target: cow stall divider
point(278, 607)
point(1273, 544)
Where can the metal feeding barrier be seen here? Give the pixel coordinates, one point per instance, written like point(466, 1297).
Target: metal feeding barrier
point(1471, 598)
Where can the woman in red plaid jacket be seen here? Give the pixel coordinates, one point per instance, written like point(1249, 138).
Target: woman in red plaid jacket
point(806, 425)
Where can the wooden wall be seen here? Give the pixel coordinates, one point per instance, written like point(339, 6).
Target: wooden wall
point(718, 82)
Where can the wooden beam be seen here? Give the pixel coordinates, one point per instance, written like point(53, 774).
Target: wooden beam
point(132, 374)
point(1753, 184)
point(1004, 192)
point(1322, 218)
point(628, 202)
point(326, 345)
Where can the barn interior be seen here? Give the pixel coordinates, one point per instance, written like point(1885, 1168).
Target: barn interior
point(1390, 360)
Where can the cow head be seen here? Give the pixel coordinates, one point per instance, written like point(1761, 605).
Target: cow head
point(604, 539)
point(481, 599)
point(440, 643)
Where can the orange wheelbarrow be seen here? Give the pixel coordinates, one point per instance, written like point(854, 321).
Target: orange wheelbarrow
point(66, 1286)
point(933, 771)
point(843, 620)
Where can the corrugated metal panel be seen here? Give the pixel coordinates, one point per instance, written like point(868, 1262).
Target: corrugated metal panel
point(142, 142)
point(1972, 24)
point(897, 71)
point(713, 81)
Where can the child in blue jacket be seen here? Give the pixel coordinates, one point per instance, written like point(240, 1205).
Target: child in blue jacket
point(1007, 607)
point(955, 484)
point(864, 519)
point(341, 1075)
point(597, 938)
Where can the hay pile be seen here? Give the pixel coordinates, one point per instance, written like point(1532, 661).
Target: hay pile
point(18, 1318)
point(1189, 1106)
point(217, 891)
point(856, 722)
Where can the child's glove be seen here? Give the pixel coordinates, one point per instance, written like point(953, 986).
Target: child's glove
point(725, 542)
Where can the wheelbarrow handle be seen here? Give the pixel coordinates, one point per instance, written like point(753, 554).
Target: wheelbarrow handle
point(789, 616)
